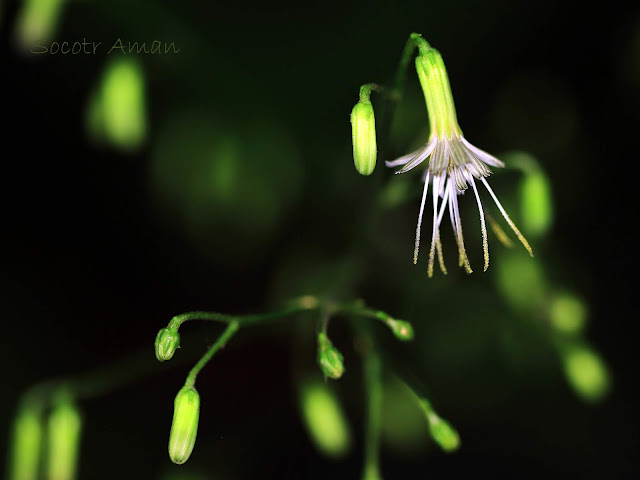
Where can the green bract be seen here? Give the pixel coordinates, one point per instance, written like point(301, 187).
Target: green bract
point(186, 411)
point(363, 134)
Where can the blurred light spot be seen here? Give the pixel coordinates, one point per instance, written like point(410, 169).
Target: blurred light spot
point(64, 428)
point(536, 112)
point(586, 372)
point(124, 103)
point(324, 419)
point(535, 203)
point(520, 280)
point(26, 444)
point(37, 20)
point(225, 188)
point(568, 314)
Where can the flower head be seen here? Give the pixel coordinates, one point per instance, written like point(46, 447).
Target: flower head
point(454, 163)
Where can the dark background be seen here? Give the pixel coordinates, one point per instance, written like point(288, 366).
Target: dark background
point(94, 263)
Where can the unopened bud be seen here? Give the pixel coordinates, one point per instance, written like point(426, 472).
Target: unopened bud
point(65, 425)
point(329, 358)
point(363, 135)
point(443, 433)
point(26, 443)
point(166, 343)
point(184, 428)
point(401, 329)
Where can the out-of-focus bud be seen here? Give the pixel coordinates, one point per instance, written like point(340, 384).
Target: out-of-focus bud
point(443, 433)
point(65, 425)
point(324, 419)
point(586, 372)
point(363, 136)
point(329, 358)
point(402, 329)
point(167, 341)
point(568, 314)
point(26, 444)
point(536, 203)
point(184, 428)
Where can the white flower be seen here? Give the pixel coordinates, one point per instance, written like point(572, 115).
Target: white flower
point(454, 164)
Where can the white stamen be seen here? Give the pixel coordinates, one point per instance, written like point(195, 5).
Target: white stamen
point(424, 196)
point(506, 217)
point(432, 251)
point(485, 243)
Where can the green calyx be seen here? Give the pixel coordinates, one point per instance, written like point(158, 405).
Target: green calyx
point(329, 358)
point(184, 427)
point(167, 341)
point(437, 93)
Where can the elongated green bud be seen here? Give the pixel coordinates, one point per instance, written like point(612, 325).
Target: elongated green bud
point(443, 433)
point(363, 136)
point(184, 428)
point(65, 425)
point(167, 341)
point(26, 444)
point(329, 358)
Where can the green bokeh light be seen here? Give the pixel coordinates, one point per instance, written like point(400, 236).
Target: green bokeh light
point(324, 419)
point(568, 314)
point(586, 372)
point(536, 207)
point(38, 20)
point(520, 280)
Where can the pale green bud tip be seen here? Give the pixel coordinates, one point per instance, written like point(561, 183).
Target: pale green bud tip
point(184, 427)
point(401, 329)
point(166, 343)
point(443, 433)
point(363, 135)
point(329, 358)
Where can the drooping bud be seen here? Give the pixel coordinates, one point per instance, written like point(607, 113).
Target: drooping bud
point(184, 428)
point(402, 329)
point(26, 443)
point(443, 433)
point(329, 358)
point(167, 341)
point(65, 425)
point(363, 136)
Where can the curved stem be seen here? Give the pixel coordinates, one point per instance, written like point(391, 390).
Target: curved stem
point(231, 329)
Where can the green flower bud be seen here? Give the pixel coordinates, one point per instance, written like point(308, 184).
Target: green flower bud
point(329, 358)
point(166, 343)
point(184, 427)
point(26, 443)
point(65, 425)
point(401, 329)
point(443, 433)
point(363, 135)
